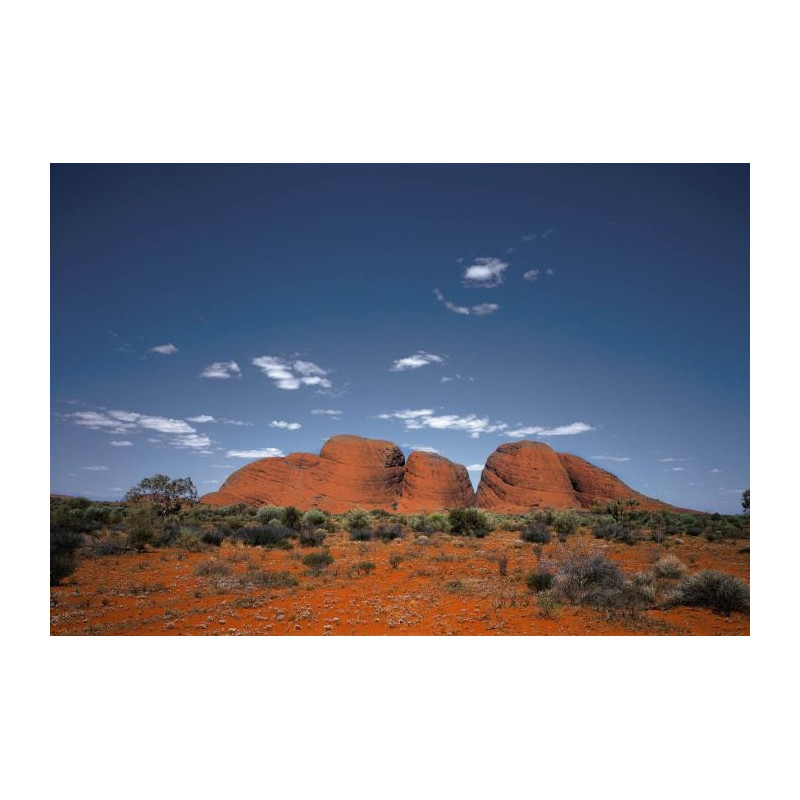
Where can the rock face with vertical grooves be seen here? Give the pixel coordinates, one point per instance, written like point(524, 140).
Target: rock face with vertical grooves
point(433, 482)
point(520, 476)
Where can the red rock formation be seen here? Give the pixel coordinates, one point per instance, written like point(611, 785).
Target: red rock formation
point(349, 472)
point(520, 476)
point(592, 484)
point(433, 482)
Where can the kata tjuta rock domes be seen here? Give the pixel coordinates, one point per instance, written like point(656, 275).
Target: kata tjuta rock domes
point(354, 472)
point(350, 472)
point(520, 476)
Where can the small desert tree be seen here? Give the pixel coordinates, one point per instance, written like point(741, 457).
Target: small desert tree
point(746, 501)
point(163, 494)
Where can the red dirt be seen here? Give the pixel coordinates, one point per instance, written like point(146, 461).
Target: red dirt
point(445, 585)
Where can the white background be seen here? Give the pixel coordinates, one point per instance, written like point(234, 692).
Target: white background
point(413, 81)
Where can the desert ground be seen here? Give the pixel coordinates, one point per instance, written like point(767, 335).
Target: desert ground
point(418, 584)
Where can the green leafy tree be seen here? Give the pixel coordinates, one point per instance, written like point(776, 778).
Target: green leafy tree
point(746, 501)
point(164, 495)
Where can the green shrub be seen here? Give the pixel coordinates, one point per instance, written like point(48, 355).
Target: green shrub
point(142, 525)
point(64, 545)
point(711, 589)
point(312, 538)
point(565, 524)
point(589, 578)
point(539, 580)
point(387, 533)
point(212, 569)
point(536, 532)
point(468, 522)
point(270, 580)
point(502, 565)
point(360, 534)
point(364, 566)
point(292, 518)
point(313, 519)
point(436, 523)
point(395, 559)
point(267, 513)
point(272, 535)
point(316, 562)
point(669, 567)
point(357, 519)
point(188, 539)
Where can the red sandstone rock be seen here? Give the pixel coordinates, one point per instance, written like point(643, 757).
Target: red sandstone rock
point(520, 476)
point(433, 482)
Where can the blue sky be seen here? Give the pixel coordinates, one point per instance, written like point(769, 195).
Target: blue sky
point(204, 314)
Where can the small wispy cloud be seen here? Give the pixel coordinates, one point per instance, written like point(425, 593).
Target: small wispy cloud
point(211, 481)
point(671, 459)
point(201, 418)
point(475, 467)
point(289, 426)
point(531, 275)
point(292, 375)
point(528, 237)
point(549, 271)
point(265, 452)
point(415, 361)
point(97, 469)
point(420, 418)
point(715, 471)
point(562, 430)
point(123, 443)
point(548, 233)
point(480, 310)
point(611, 458)
point(240, 423)
point(675, 469)
point(164, 349)
point(222, 370)
point(424, 448)
point(326, 412)
point(485, 273)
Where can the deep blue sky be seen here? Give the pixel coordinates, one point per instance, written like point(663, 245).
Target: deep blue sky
point(640, 331)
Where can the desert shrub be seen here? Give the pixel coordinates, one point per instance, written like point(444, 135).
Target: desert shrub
point(395, 559)
point(502, 565)
point(360, 534)
point(312, 538)
point(292, 518)
point(669, 567)
point(64, 546)
point(711, 589)
point(358, 519)
point(214, 538)
point(272, 535)
point(188, 539)
point(539, 580)
point(545, 516)
point(436, 523)
point(607, 528)
point(536, 532)
point(380, 513)
point(112, 545)
point(586, 577)
point(316, 562)
point(565, 524)
point(142, 526)
point(212, 569)
point(270, 579)
point(364, 566)
point(96, 516)
point(267, 513)
point(313, 519)
point(419, 523)
point(386, 533)
point(468, 522)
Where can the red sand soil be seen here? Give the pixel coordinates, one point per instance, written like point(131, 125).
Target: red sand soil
point(443, 586)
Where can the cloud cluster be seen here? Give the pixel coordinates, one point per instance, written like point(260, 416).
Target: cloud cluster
point(418, 419)
point(164, 349)
point(222, 370)
point(415, 361)
point(289, 426)
point(485, 273)
point(561, 430)
point(266, 452)
point(480, 310)
point(201, 418)
point(326, 412)
point(611, 458)
point(670, 459)
point(291, 375)
point(118, 421)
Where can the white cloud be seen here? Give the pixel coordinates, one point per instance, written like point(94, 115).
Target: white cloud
point(238, 422)
point(476, 467)
point(266, 452)
point(95, 421)
point(222, 370)
point(531, 274)
point(164, 425)
point(549, 271)
point(561, 430)
point(164, 349)
point(415, 361)
point(485, 273)
point(211, 481)
point(529, 237)
point(480, 310)
point(326, 412)
point(192, 441)
point(202, 418)
point(549, 232)
point(124, 443)
point(418, 419)
point(715, 471)
point(671, 459)
point(289, 426)
point(97, 469)
point(611, 458)
point(676, 469)
point(291, 375)
point(424, 448)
